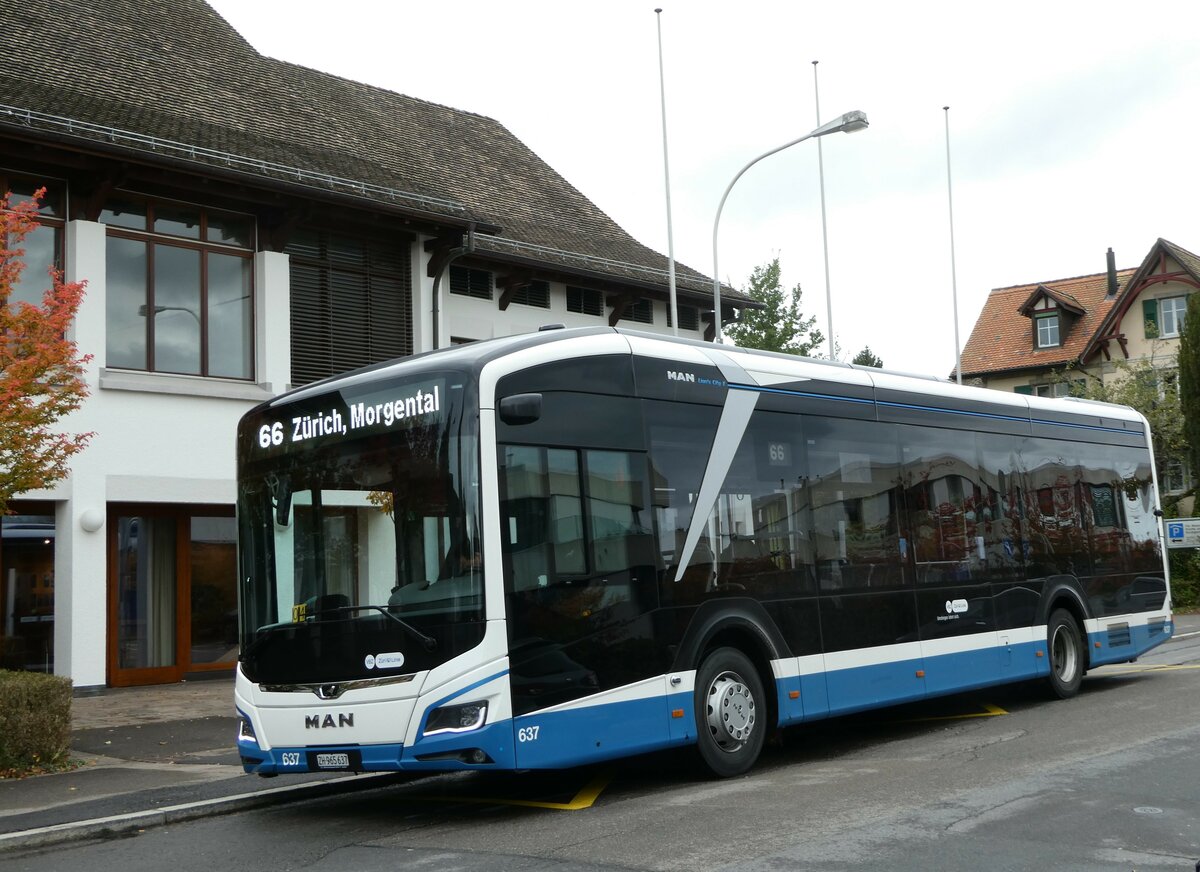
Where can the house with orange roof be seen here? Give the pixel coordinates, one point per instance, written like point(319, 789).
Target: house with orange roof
point(1046, 338)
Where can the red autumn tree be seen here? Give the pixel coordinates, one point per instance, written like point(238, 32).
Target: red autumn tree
point(41, 370)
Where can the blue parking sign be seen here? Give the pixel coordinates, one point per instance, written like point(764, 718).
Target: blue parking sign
point(1183, 533)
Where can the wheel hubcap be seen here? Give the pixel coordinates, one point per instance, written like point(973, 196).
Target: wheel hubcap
point(1064, 654)
point(731, 711)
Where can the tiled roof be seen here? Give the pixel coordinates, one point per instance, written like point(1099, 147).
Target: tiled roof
point(1062, 298)
point(175, 70)
point(1002, 339)
point(1187, 260)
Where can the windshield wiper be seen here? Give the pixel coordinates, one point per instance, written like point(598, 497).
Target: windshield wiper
point(427, 641)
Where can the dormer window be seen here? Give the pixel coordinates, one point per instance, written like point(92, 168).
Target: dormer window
point(1047, 331)
point(1052, 312)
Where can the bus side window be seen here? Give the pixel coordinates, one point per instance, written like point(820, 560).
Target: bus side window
point(543, 516)
point(618, 525)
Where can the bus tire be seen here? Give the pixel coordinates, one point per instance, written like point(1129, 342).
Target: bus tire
point(731, 712)
point(1065, 643)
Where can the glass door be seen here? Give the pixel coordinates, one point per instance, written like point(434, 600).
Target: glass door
point(144, 577)
point(212, 580)
point(172, 592)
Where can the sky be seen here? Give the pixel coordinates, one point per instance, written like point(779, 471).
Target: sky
point(1073, 127)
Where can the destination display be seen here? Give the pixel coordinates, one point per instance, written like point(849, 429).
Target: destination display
point(403, 405)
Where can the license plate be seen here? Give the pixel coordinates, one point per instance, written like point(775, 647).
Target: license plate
point(333, 761)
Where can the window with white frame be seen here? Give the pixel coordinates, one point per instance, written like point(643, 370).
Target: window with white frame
point(1176, 477)
point(1047, 331)
point(1171, 314)
point(1057, 389)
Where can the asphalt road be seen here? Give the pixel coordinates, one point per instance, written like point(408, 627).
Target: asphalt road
point(998, 780)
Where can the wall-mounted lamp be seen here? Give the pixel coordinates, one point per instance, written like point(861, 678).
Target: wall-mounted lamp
point(91, 520)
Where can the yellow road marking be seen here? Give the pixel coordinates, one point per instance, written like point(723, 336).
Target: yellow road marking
point(990, 711)
point(583, 799)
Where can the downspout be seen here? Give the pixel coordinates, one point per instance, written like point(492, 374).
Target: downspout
point(451, 256)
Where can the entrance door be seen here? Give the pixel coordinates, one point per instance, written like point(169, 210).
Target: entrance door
point(172, 592)
point(144, 559)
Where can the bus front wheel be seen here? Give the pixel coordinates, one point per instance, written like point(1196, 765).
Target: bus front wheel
point(731, 712)
point(1065, 642)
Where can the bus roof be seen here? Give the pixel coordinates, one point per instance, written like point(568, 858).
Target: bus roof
point(474, 357)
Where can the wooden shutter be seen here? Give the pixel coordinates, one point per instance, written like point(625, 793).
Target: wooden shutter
point(1150, 317)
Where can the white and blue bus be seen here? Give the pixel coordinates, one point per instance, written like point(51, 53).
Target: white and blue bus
point(553, 549)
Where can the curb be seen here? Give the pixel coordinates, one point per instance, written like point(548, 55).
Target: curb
point(114, 825)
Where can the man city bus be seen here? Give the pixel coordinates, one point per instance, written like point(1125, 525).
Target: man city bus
point(553, 549)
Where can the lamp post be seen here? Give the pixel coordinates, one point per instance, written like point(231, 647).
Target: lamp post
point(145, 310)
point(848, 123)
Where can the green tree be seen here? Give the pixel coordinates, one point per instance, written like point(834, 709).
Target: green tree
point(1189, 381)
point(867, 357)
point(779, 325)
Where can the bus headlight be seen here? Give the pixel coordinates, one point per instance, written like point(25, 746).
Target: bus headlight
point(246, 730)
point(456, 718)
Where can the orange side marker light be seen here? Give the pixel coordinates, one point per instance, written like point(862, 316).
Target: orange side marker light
point(676, 713)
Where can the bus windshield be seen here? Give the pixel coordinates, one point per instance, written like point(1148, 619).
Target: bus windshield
point(360, 536)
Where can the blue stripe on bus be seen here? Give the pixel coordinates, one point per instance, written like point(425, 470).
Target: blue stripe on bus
point(921, 408)
point(1087, 427)
point(591, 733)
point(568, 737)
point(815, 396)
point(1141, 639)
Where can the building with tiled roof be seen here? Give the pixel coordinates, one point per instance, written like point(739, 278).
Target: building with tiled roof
point(246, 225)
point(1042, 337)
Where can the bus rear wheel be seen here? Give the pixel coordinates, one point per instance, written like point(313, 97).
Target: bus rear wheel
point(1065, 642)
point(730, 712)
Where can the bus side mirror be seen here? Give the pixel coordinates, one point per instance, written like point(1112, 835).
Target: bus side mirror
point(520, 408)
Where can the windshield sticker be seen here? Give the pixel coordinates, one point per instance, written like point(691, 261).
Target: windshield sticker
point(390, 660)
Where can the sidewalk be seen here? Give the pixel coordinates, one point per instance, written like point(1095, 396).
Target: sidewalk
point(150, 755)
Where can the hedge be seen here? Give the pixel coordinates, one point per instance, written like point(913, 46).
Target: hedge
point(35, 720)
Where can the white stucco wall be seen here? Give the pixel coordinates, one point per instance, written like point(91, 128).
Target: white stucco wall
point(158, 439)
point(171, 439)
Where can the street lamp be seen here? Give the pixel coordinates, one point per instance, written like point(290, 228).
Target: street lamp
point(847, 123)
point(144, 310)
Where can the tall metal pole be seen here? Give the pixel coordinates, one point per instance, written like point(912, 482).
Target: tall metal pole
point(824, 226)
point(953, 270)
point(662, 89)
